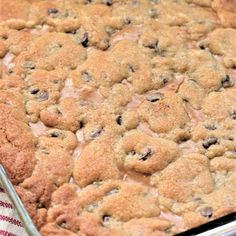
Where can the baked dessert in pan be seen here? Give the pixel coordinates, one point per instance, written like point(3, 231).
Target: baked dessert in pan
point(118, 117)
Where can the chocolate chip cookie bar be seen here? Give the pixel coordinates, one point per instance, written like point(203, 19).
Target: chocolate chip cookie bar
point(118, 117)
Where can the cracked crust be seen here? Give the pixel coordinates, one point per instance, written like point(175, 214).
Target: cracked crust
point(118, 117)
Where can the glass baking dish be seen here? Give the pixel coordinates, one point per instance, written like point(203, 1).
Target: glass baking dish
point(225, 226)
point(23, 214)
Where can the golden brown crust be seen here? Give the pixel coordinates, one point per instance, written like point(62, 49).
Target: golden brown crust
point(14, 10)
point(219, 46)
point(117, 117)
point(87, 170)
point(226, 11)
point(17, 142)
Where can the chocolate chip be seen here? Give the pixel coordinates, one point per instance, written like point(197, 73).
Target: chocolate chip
point(62, 224)
point(71, 32)
point(52, 11)
point(164, 79)
point(113, 191)
point(119, 120)
point(206, 212)
point(127, 21)
point(106, 218)
point(131, 69)
point(209, 141)
point(40, 204)
point(29, 65)
point(233, 115)
point(43, 96)
point(201, 46)
point(10, 71)
point(86, 76)
point(34, 91)
point(132, 153)
point(146, 155)
point(153, 45)
point(198, 200)
point(58, 112)
point(227, 82)
point(55, 134)
point(85, 40)
point(4, 37)
point(184, 138)
point(169, 231)
point(95, 134)
point(56, 81)
point(108, 2)
point(81, 124)
point(153, 13)
point(210, 127)
point(154, 97)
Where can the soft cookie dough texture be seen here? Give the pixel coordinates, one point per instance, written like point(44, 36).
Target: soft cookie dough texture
point(118, 117)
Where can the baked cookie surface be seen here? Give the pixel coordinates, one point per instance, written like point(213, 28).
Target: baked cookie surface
point(118, 117)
